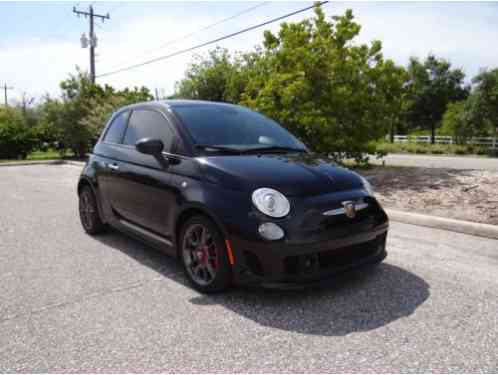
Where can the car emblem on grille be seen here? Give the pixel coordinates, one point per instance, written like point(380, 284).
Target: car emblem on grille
point(349, 209)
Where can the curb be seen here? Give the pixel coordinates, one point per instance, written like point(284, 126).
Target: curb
point(42, 162)
point(460, 226)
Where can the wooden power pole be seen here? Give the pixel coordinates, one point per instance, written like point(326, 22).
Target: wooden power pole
point(92, 38)
point(5, 88)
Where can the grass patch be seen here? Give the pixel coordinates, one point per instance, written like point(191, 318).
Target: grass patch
point(437, 149)
point(42, 155)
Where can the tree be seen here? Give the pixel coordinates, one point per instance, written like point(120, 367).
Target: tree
point(432, 85)
point(484, 112)
point(78, 118)
point(456, 122)
point(216, 77)
point(335, 95)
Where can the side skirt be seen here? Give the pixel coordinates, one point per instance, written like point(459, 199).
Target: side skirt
point(151, 238)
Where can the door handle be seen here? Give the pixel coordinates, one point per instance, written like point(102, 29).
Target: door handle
point(113, 166)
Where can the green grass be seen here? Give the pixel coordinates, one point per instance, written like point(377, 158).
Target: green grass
point(41, 155)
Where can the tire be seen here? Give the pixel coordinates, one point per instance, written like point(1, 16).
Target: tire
point(89, 212)
point(204, 256)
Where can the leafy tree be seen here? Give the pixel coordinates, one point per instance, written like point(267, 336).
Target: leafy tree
point(432, 85)
point(456, 122)
point(217, 77)
point(484, 111)
point(337, 96)
point(76, 120)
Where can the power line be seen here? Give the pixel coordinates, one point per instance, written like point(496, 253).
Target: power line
point(186, 36)
point(211, 41)
point(209, 26)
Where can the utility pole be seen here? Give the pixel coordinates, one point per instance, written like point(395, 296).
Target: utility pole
point(92, 38)
point(5, 88)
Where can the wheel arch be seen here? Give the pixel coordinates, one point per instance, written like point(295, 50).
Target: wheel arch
point(193, 210)
point(85, 181)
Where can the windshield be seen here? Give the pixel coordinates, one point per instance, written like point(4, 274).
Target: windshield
point(234, 127)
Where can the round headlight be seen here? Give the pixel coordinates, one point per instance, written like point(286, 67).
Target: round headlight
point(271, 202)
point(367, 186)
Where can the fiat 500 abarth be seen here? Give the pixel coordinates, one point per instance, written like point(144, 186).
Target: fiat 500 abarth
point(231, 193)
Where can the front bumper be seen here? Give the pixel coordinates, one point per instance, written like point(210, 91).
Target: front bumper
point(262, 263)
point(313, 250)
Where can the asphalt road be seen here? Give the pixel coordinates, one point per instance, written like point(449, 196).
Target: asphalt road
point(73, 303)
point(433, 161)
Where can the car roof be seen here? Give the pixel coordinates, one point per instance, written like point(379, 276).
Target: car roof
point(172, 103)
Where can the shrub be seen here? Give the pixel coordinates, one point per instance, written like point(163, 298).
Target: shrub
point(17, 139)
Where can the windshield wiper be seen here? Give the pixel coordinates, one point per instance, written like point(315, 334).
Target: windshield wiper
point(272, 149)
point(228, 150)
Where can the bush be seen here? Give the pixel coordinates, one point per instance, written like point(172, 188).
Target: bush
point(17, 139)
point(437, 149)
point(461, 150)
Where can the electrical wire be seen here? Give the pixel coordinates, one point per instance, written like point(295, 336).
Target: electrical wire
point(210, 42)
point(186, 36)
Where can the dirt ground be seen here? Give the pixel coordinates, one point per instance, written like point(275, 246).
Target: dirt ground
point(470, 195)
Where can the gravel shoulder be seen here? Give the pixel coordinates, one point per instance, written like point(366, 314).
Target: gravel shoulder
point(462, 194)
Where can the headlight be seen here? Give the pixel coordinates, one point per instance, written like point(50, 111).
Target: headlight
point(271, 202)
point(367, 186)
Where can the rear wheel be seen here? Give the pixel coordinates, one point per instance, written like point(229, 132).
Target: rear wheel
point(204, 255)
point(89, 212)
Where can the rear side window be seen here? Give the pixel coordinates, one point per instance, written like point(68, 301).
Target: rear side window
point(117, 128)
point(148, 124)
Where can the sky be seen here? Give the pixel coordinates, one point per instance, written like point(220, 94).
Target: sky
point(40, 41)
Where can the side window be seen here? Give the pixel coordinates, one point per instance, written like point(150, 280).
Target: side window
point(117, 128)
point(148, 124)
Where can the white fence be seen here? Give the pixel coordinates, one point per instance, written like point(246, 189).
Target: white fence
point(445, 140)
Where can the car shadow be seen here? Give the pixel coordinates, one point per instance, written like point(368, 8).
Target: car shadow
point(361, 300)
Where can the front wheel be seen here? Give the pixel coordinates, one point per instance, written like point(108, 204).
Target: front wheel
point(204, 255)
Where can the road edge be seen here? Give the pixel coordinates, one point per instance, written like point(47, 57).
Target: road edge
point(453, 225)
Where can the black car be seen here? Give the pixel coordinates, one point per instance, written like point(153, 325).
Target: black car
point(231, 193)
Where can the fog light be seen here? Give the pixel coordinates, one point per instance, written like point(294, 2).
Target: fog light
point(270, 231)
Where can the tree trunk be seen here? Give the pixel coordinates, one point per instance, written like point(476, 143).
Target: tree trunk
point(433, 133)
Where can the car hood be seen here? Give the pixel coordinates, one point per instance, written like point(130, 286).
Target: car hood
point(291, 174)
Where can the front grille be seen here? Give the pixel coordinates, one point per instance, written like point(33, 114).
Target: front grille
point(330, 259)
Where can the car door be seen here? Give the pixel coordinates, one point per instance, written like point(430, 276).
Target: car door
point(109, 153)
point(139, 188)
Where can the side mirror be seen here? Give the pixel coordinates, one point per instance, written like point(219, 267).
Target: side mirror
point(149, 146)
point(154, 147)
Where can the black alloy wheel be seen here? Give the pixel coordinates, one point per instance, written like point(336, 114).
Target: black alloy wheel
point(204, 255)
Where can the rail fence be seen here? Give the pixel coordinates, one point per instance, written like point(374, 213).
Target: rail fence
point(490, 142)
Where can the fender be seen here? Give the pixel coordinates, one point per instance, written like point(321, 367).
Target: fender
point(191, 208)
